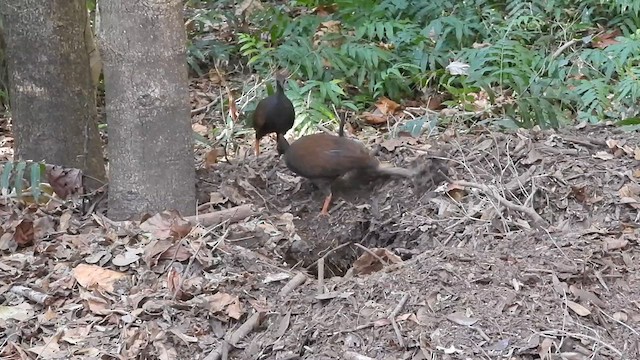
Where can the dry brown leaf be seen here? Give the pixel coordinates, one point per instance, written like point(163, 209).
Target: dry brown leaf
point(50, 349)
point(234, 310)
point(211, 158)
point(630, 190)
point(173, 283)
point(167, 224)
point(578, 309)
point(65, 220)
point(374, 118)
point(90, 276)
point(96, 304)
point(615, 244)
point(215, 198)
point(127, 258)
point(325, 10)
point(603, 155)
point(367, 263)
point(587, 296)
point(43, 226)
point(232, 193)
point(460, 318)
point(64, 181)
point(606, 39)
point(218, 301)
point(387, 106)
point(165, 250)
point(24, 234)
point(200, 129)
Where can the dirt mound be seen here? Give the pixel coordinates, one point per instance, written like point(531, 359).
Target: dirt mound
point(532, 254)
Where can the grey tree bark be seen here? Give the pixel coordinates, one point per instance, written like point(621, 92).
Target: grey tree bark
point(52, 98)
point(151, 164)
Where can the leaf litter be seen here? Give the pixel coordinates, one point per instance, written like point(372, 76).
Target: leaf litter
point(521, 245)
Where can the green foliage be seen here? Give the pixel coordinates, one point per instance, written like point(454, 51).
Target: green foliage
point(13, 175)
point(539, 61)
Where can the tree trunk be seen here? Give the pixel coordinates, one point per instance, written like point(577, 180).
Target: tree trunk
point(52, 97)
point(151, 165)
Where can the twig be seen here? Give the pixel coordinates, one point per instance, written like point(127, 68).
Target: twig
point(205, 108)
point(231, 215)
point(328, 252)
point(233, 338)
point(582, 337)
point(195, 255)
point(393, 315)
point(563, 48)
point(523, 209)
point(321, 276)
point(296, 281)
point(33, 295)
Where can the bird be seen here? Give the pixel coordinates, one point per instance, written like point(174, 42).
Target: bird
point(274, 114)
point(323, 158)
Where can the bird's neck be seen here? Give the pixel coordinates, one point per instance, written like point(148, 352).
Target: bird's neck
point(279, 87)
point(282, 144)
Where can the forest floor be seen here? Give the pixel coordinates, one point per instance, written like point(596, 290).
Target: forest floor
point(531, 252)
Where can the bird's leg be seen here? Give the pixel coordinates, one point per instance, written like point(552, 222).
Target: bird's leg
point(325, 206)
point(257, 146)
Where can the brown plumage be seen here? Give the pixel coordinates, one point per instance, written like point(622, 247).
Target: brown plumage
point(274, 114)
point(323, 158)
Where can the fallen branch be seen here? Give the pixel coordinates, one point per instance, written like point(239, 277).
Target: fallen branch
point(321, 276)
point(231, 215)
point(296, 281)
point(233, 338)
point(523, 209)
point(33, 295)
point(392, 318)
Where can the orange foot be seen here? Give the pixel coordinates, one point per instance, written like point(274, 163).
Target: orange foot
point(325, 206)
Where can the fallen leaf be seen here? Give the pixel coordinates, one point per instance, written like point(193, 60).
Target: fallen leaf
point(199, 129)
point(211, 158)
point(603, 155)
point(167, 224)
point(173, 283)
point(585, 296)
point(367, 263)
point(460, 318)
point(615, 244)
point(24, 234)
point(373, 118)
point(64, 181)
point(577, 308)
point(21, 312)
point(276, 277)
point(128, 257)
point(387, 106)
point(90, 276)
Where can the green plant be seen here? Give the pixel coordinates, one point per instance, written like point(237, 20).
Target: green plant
point(546, 56)
point(13, 176)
